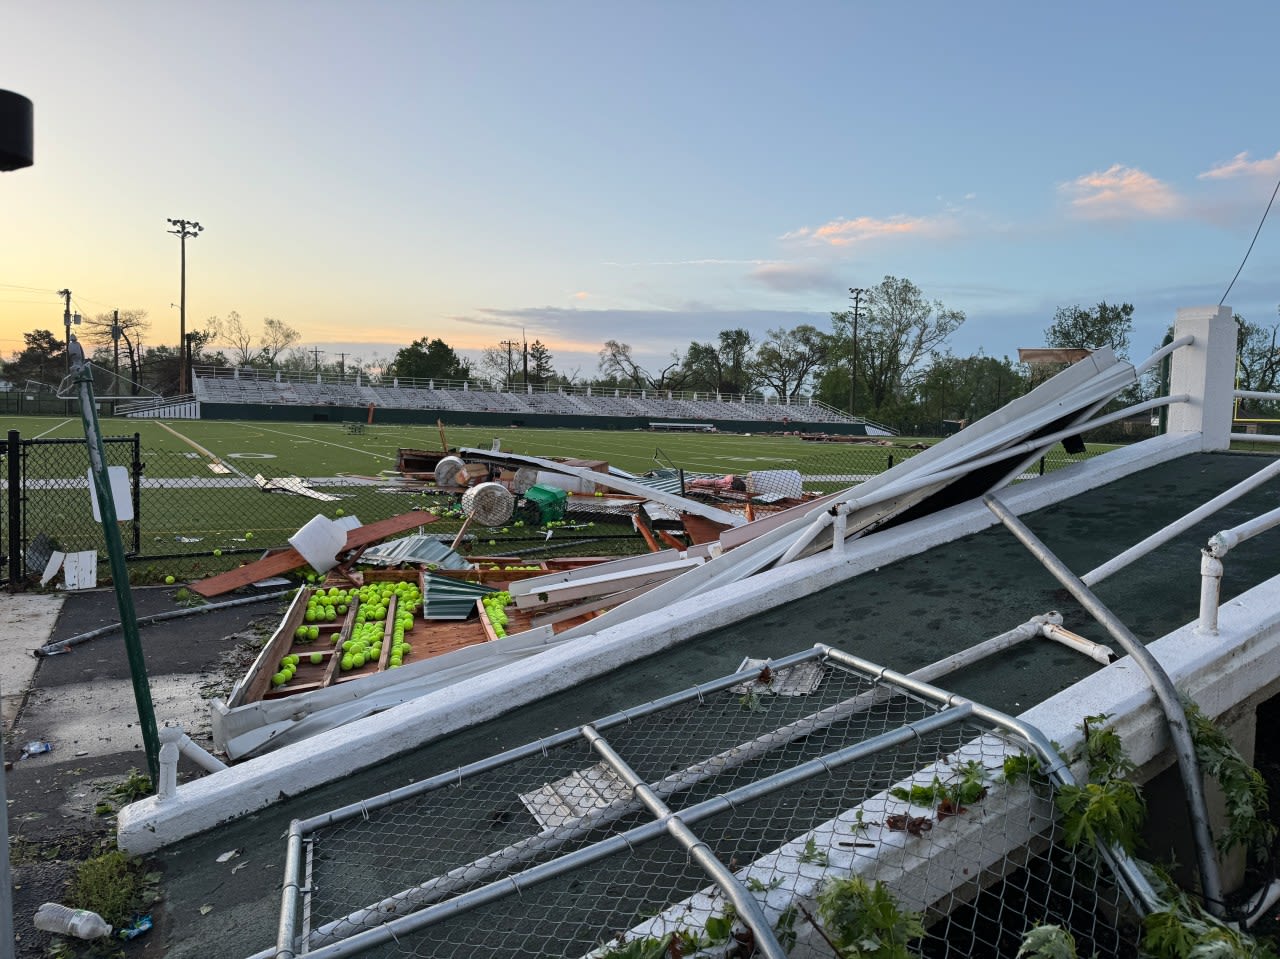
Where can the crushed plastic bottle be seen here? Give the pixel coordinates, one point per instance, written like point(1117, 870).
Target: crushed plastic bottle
point(81, 923)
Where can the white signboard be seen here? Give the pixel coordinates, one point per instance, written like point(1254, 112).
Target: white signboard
point(121, 495)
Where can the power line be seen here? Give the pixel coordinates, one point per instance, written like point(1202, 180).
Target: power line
point(1251, 243)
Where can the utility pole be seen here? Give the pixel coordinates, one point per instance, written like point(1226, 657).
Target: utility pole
point(316, 351)
point(115, 343)
point(525, 344)
point(509, 344)
point(184, 229)
point(342, 365)
point(66, 321)
point(856, 294)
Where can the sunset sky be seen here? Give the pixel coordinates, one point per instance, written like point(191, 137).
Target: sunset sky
point(373, 172)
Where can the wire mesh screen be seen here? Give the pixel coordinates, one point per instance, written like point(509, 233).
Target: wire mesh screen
point(57, 511)
point(192, 506)
point(789, 777)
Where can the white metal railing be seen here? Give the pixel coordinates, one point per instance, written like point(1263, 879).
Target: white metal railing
point(1160, 537)
point(1160, 354)
point(1211, 557)
point(1256, 437)
point(365, 378)
point(358, 381)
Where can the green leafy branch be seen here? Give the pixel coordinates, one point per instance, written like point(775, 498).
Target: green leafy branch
point(1243, 788)
point(864, 921)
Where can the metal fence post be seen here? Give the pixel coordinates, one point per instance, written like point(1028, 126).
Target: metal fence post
point(15, 509)
point(136, 470)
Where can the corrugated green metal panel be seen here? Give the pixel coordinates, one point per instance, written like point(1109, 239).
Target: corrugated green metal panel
point(416, 549)
point(447, 598)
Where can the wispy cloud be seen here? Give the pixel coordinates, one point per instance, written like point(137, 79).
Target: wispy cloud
point(582, 295)
point(1121, 192)
point(706, 261)
point(1240, 165)
point(843, 232)
point(797, 277)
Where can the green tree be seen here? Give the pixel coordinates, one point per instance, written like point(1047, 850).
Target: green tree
point(541, 369)
point(721, 367)
point(788, 358)
point(42, 359)
point(1259, 365)
point(898, 331)
point(1091, 329)
point(429, 360)
point(966, 388)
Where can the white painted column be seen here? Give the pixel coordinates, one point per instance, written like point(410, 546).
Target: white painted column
point(1205, 371)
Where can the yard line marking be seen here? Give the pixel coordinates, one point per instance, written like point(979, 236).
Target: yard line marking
point(54, 430)
point(350, 449)
point(198, 448)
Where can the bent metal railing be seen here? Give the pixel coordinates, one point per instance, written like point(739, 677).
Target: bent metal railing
point(736, 799)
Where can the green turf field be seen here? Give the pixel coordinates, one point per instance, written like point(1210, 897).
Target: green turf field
point(327, 449)
point(188, 510)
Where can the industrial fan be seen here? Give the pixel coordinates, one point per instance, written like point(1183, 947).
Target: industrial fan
point(451, 471)
point(489, 504)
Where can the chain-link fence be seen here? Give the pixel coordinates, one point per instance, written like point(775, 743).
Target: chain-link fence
point(183, 511)
point(48, 505)
point(729, 813)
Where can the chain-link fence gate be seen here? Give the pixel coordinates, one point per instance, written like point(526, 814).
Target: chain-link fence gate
point(47, 500)
point(716, 816)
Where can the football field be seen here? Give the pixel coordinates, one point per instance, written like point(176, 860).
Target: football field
point(198, 501)
point(328, 449)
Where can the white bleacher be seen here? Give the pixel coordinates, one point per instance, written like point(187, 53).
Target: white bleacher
point(214, 385)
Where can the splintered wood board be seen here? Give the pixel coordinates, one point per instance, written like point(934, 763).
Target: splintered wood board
point(290, 559)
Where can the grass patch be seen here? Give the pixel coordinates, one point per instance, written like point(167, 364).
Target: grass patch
point(114, 886)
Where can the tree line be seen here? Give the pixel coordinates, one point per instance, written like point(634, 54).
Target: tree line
point(887, 358)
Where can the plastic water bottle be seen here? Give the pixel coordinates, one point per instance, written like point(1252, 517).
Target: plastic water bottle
point(81, 923)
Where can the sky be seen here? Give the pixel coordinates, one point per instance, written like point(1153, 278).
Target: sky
point(374, 172)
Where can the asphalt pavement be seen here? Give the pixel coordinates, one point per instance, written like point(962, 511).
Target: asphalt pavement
point(82, 703)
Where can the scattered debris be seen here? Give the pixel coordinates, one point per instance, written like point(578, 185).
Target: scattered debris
point(136, 928)
point(79, 570)
point(228, 856)
point(36, 747)
point(290, 559)
point(292, 484)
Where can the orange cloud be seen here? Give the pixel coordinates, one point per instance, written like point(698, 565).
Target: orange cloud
point(842, 232)
point(1121, 192)
point(1241, 165)
point(582, 295)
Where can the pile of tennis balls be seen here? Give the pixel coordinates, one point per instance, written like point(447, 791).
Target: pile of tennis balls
point(370, 630)
point(323, 606)
point(495, 605)
point(288, 665)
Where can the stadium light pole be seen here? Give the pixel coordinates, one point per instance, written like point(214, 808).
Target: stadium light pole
point(856, 294)
point(183, 229)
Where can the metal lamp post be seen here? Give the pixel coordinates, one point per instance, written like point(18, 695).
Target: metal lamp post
point(182, 230)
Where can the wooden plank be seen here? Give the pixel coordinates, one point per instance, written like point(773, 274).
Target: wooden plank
point(384, 656)
point(259, 678)
point(290, 559)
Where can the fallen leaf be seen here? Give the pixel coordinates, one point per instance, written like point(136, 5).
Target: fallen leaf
point(229, 855)
point(205, 910)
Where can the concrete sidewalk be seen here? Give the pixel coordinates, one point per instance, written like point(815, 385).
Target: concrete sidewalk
point(31, 620)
